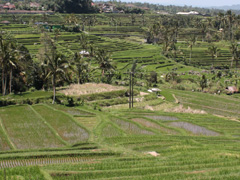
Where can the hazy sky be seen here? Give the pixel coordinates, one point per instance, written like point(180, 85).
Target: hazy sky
point(202, 3)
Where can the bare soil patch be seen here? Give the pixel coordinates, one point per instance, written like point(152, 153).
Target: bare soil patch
point(181, 109)
point(153, 153)
point(89, 88)
point(143, 94)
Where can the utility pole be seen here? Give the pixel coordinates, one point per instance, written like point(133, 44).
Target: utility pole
point(132, 86)
point(130, 90)
point(131, 83)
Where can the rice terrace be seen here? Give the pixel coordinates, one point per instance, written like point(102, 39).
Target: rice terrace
point(119, 90)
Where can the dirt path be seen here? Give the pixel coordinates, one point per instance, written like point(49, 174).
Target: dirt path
point(176, 100)
point(230, 118)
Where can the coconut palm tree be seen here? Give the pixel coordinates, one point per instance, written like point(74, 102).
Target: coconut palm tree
point(191, 43)
point(214, 51)
point(4, 56)
point(203, 29)
point(13, 63)
point(230, 19)
point(82, 39)
point(82, 68)
point(71, 19)
point(8, 59)
point(104, 60)
point(235, 53)
point(55, 63)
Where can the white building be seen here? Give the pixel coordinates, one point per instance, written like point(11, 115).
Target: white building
point(188, 13)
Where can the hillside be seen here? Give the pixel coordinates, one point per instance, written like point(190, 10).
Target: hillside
point(233, 7)
point(120, 96)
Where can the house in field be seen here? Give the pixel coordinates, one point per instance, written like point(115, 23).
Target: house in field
point(5, 22)
point(232, 90)
point(84, 53)
point(34, 5)
point(189, 13)
point(9, 6)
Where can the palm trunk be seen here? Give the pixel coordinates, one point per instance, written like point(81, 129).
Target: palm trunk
point(3, 77)
point(79, 77)
point(5, 85)
point(10, 82)
point(232, 63)
point(103, 73)
point(190, 55)
point(54, 89)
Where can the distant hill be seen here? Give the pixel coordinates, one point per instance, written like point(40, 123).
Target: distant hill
point(233, 7)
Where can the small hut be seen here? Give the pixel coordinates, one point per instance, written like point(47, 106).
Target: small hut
point(232, 90)
point(5, 22)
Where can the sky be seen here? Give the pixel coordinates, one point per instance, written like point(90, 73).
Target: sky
point(200, 3)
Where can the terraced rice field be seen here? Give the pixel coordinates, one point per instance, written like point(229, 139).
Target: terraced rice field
point(25, 129)
point(162, 118)
point(110, 131)
point(131, 128)
point(88, 122)
point(153, 125)
point(4, 145)
point(214, 104)
point(197, 147)
point(201, 56)
point(198, 130)
point(66, 126)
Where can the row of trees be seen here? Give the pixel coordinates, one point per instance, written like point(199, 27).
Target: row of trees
point(19, 72)
point(62, 6)
point(15, 62)
point(221, 27)
point(166, 32)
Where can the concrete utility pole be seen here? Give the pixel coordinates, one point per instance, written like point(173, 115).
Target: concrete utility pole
point(131, 83)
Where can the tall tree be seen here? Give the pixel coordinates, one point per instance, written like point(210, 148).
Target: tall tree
point(83, 41)
point(104, 60)
point(214, 52)
point(15, 63)
point(235, 53)
point(203, 29)
point(82, 68)
point(230, 19)
point(191, 43)
point(7, 59)
point(55, 63)
point(74, 6)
